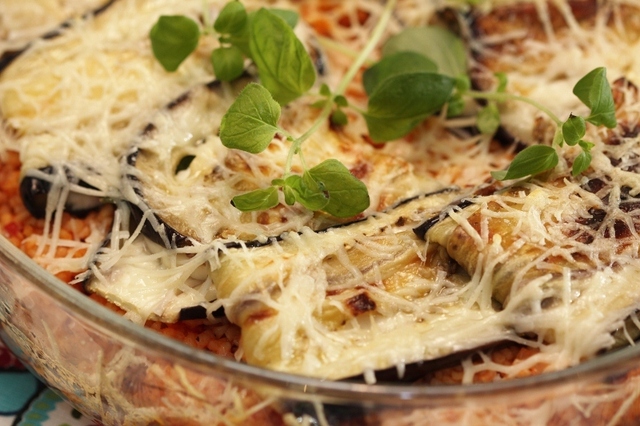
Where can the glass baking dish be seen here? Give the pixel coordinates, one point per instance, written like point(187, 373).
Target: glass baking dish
point(119, 373)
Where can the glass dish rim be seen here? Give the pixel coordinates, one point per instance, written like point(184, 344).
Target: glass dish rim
point(98, 315)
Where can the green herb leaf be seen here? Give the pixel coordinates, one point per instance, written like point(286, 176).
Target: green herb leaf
point(348, 196)
point(307, 191)
point(289, 194)
point(463, 84)
point(339, 118)
point(436, 43)
point(488, 119)
point(260, 199)
point(395, 64)
point(289, 16)
point(574, 129)
point(325, 90)
point(341, 101)
point(284, 65)
point(228, 63)
point(502, 82)
point(401, 102)
point(173, 39)
point(455, 105)
point(320, 104)
point(595, 92)
point(530, 161)
point(581, 163)
point(251, 122)
point(586, 146)
point(232, 18)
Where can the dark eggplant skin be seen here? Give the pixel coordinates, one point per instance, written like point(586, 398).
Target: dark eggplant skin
point(34, 192)
point(459, 204)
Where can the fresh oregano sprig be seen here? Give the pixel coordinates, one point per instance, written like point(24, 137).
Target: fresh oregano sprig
point(252, 122)
point(286, 72)
point(422, 71)
point(447, 51)
point(175, 37)
point(595, 92)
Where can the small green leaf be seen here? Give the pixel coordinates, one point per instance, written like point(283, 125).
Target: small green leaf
point(395, 64)
point(325, 90)
point(455, 105)
point(348, 196)
point(341, 101)
point(173, 39)
point(232, 18)
point(320, 104)
point(574, 129)
point(586, 146)
point(240, 39)
point(502, 82)
point(488, 119)
point(284, 65)
point(403, 101)
point(251, 122)
point(228, 63)
point(260, 199)
point(339, 118)
point(436, 43)
point(288, 16)
point(530, 161)
point(463, 84)
point(289, 195)
point(307, 192)
point(595, 92)
point(581, 163)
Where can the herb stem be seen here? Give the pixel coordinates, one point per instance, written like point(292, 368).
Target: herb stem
point(381, 25)
point(297, 143)
point(206, 19)
point(332, 44)
point(360, 60)
point(502, 97)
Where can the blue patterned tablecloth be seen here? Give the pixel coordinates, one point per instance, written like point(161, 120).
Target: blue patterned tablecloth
point(25, 401)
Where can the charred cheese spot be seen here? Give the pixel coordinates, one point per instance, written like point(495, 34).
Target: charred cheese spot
point(360, 304)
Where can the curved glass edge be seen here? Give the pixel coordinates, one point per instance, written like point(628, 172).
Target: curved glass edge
point(595, 369)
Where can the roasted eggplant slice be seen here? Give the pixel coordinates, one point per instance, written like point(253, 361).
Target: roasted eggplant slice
point(71, 111)
point(151, 283)
point(353, 299)
point(180, 179)
point(544, 48)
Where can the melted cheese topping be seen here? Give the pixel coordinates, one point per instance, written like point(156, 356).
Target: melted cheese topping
point(370, 295)
point(545, 49)
point(23, 21)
